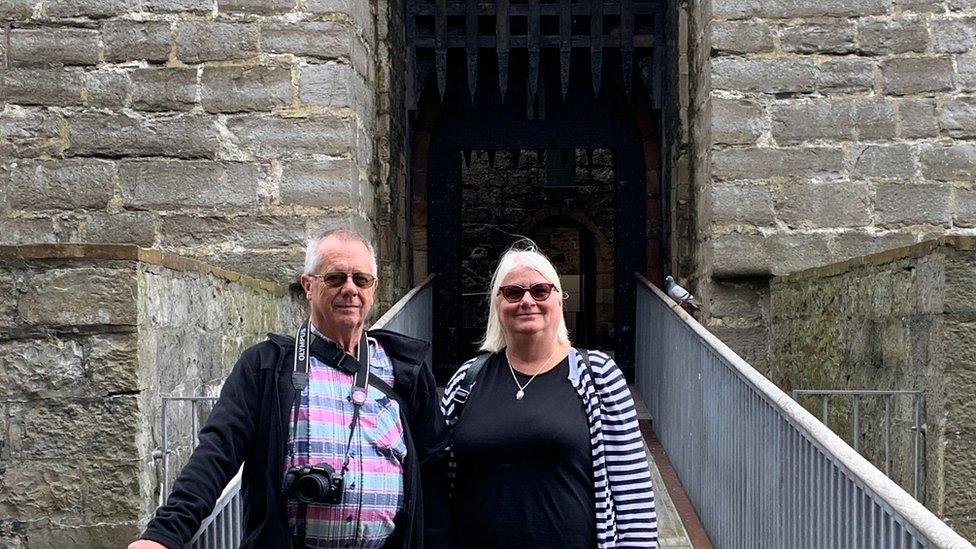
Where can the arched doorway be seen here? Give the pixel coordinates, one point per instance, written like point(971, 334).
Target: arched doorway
point(547, 130)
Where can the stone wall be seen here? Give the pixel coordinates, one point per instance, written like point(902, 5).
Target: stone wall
point(91, 338)
point(225, 130)
point(838, 129)
point(903, 319)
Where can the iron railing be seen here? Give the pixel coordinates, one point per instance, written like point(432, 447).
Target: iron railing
point(760, 469)
point(223, 529)
point(888, 399)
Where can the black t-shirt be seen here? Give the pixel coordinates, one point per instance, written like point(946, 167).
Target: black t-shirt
point(524, 467)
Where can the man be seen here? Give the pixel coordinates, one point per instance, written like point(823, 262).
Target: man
point(369, 435)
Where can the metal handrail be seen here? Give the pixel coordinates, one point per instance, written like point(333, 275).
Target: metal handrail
point(223, 528)
point(759, 468)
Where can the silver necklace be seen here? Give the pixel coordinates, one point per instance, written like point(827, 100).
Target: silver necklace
point(521, 388)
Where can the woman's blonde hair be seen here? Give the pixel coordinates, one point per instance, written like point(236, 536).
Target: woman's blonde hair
point(523, 253)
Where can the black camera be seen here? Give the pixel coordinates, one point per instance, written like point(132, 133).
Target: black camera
point(313, 484)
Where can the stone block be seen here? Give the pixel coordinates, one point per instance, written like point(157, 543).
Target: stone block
point(892, 36)
point(327, 85)
point(959, 117)
point(956, 162)
point(28, 231)
point(178, 6)
point(43, 368)
point(959, 295)
point(966, 72)
point(112, 362)
point(850, 244)
point(112, 492)
point(237, 89)
point(318, 183)
point(122, 135)
point(745, 204)
point(921, 6)
point(278, 266)
point(273, 137)
point(317, 39)
point(120, 227)
point(929, 204)
point(107, 89)
point(175, 185)
point(954, 35)
point(911, 75)
point(53, 429)
point(800, 121)
point(884, 161)
point(164, 89)
point(31, 489)
point(764, 75)
point(738, 254)
point(763, 163)
point(749, 342)
point(52, 46)
point(874, 120)
point(832, 38)
point(103, 534)
point(819, 205)
point(61, 184)
point(55, 87)
point(741, 37)
point(960, 344)
point(789, 253)
point(16, 9)
point(186, 231)
point(9, 295)
point(198, 41)
point(90, 8)
point(917, 118)
point(137, 40)
point(964, 212)
point(846, 75)
point(82, 296)
point(262, 7)
point(736, 121)
point(29, 133)
point(790, 9)
point(738, 300)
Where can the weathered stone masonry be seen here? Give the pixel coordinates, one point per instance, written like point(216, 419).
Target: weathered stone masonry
point(226, 130)
point(91, 337)
point(838, 129)
point(899, 319)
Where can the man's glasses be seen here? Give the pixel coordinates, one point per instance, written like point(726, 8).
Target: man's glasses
point(539, 292)
point(335, 279)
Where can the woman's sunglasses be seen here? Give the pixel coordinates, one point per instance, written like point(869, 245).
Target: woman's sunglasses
point(539, 292)
point(335, 279)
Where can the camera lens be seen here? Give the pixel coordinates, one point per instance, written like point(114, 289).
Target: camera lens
point(312, 489)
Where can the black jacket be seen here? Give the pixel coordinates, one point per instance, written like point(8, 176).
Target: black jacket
point(249, 424)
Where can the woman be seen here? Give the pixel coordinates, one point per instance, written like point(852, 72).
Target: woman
point(546, 450)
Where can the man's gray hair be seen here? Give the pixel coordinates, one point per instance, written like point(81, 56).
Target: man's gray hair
point(312, 258)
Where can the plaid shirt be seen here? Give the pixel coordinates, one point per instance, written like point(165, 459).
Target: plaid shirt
point(373, 491)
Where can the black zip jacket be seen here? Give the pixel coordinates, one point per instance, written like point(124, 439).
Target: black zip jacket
point(249, 425)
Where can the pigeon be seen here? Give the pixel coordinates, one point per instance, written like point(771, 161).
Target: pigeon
point(679, 294)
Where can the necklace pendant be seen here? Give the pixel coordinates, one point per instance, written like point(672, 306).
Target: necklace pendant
point(519, 394)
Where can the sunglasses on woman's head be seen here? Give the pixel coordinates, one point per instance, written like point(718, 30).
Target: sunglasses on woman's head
point(335, 279)
point(539, 292)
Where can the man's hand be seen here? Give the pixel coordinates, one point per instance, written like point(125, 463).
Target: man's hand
point(145, 544)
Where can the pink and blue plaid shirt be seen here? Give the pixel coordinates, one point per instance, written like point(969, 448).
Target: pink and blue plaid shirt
point(373, 491)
